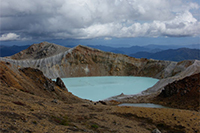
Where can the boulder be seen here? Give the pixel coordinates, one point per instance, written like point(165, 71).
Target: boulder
point(49, 85)
point(60, 83)
point(156, 131)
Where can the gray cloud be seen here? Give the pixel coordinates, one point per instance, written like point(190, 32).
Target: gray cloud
point(60, 19)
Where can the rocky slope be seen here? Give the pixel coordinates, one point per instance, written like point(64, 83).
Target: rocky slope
point(183, 93)
point(30, 102)
point(33, 82)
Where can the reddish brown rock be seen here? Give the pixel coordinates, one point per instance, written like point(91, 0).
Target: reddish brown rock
point(184, 93)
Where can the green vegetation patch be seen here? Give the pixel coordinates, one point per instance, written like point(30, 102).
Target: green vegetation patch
point(95, 126)
point(61, 120)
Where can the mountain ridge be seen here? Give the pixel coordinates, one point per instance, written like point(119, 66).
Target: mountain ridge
point(39, 51)
point(83, 57)
point(171, 54)
point(8, 51)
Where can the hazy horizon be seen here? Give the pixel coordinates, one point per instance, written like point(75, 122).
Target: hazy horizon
point(117, 42)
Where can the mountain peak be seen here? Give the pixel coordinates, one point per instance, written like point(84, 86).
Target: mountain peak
point(40, 50)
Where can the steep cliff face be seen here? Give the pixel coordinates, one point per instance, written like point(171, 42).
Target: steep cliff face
point(85, 61)
point(184, 93)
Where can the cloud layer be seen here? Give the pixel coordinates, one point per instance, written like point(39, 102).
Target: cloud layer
point(82, 19)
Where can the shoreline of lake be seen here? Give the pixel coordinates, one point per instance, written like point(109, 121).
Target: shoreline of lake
point(104, 87)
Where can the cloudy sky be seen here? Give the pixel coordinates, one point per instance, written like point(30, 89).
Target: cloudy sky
point(36, 20)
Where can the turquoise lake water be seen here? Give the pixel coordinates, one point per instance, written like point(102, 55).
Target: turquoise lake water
point(100, 88)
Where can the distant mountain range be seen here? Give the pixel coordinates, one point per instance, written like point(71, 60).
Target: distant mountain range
point(151, 48)
point(121, 50)
point(171, 54)
point(11, 50)
point(160, 52)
